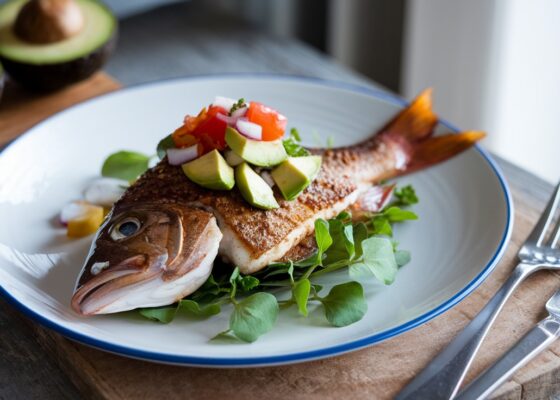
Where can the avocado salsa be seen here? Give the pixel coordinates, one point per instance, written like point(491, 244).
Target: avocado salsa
point(234, 143)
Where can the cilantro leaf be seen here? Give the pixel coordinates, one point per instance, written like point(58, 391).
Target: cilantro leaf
point(345, 304)
point(239, 104)
point(254, 316)
point(126, 165)
point(292, 145)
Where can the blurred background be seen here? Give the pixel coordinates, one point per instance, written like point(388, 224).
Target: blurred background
point(494, 64)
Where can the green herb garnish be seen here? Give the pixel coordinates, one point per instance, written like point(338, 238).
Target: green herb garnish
point(292, 145)
point(164, 144)
point(126, 165)
point(239, 104)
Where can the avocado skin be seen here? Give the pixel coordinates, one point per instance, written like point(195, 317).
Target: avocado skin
point(50, 77)
point(2, 80)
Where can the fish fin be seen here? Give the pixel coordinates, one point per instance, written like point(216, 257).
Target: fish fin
point(440, 148)
point(415, 122)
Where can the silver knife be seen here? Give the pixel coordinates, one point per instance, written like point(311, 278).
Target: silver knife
point(535, 341)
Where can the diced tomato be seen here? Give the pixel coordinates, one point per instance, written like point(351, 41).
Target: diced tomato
point(272, 122)
point(206, 128)
point(212, 130)
point(183, 139)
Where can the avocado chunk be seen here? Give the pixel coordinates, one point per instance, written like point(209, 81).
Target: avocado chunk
point(253, 188)
point(256, 152)
point(42, 49)
point(295, 174)
point(210, 171)
point(232, 159)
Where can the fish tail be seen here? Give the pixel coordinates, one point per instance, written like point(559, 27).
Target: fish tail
point(415, 122)
point(413, 128)
point(440, 148)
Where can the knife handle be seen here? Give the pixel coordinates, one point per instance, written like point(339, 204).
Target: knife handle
point(535, 341)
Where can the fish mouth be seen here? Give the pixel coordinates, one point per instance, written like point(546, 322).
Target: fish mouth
point(105, 288)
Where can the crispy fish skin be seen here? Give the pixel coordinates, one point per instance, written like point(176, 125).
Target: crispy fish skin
point(252, 238)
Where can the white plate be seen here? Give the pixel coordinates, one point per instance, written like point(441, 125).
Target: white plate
point(465, 220)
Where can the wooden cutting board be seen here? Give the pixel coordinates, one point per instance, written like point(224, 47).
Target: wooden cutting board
point(378, 372)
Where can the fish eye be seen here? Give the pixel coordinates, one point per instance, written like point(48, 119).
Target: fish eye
point(125, 228)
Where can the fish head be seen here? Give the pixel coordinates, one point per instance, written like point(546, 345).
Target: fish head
point(146, 255)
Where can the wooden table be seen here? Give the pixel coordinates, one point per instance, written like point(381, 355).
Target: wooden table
point(35, 363)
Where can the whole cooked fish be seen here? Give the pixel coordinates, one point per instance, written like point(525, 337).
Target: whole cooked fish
point(158, 243)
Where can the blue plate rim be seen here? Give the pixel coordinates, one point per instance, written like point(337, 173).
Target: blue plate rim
point(292, 357)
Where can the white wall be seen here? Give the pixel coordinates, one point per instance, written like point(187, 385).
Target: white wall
point(495, 65)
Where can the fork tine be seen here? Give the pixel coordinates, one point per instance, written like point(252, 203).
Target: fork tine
point(539, 231)
point(556, 234)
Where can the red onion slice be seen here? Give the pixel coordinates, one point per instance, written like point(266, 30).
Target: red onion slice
point(249, 129)
point(73, 210)
point(181, 156)
point(227, 119)
point(240, 112)
point(105, 192)
point(224, 102)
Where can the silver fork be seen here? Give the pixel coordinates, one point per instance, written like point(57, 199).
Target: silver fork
point(534, 342)
point(442, 377)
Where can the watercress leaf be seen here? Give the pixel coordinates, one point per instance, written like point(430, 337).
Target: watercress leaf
point(300, 293)
point(248, 283)
point(193, 308)
point(307, 262)
point(349, 240)
point(395, 214)
point(225, 337)
point(234, 275)
point(381, 226)
point(160, 314)
point(127, 165)
point(379, 259)
point(342, 247)
point(254, 316)
point(360, 234)
point(279, 271)
point(344, 216)
point(405, 196)
point(322, 236)
point(316, 288)
point(291, 271)
point(402, 257)
point(164, 144)
point(345, 304)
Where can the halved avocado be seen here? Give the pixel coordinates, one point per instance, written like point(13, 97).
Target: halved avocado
point(40, 49)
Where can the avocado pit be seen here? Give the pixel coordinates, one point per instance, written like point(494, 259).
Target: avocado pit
point(48, 21)
point(49, 44)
